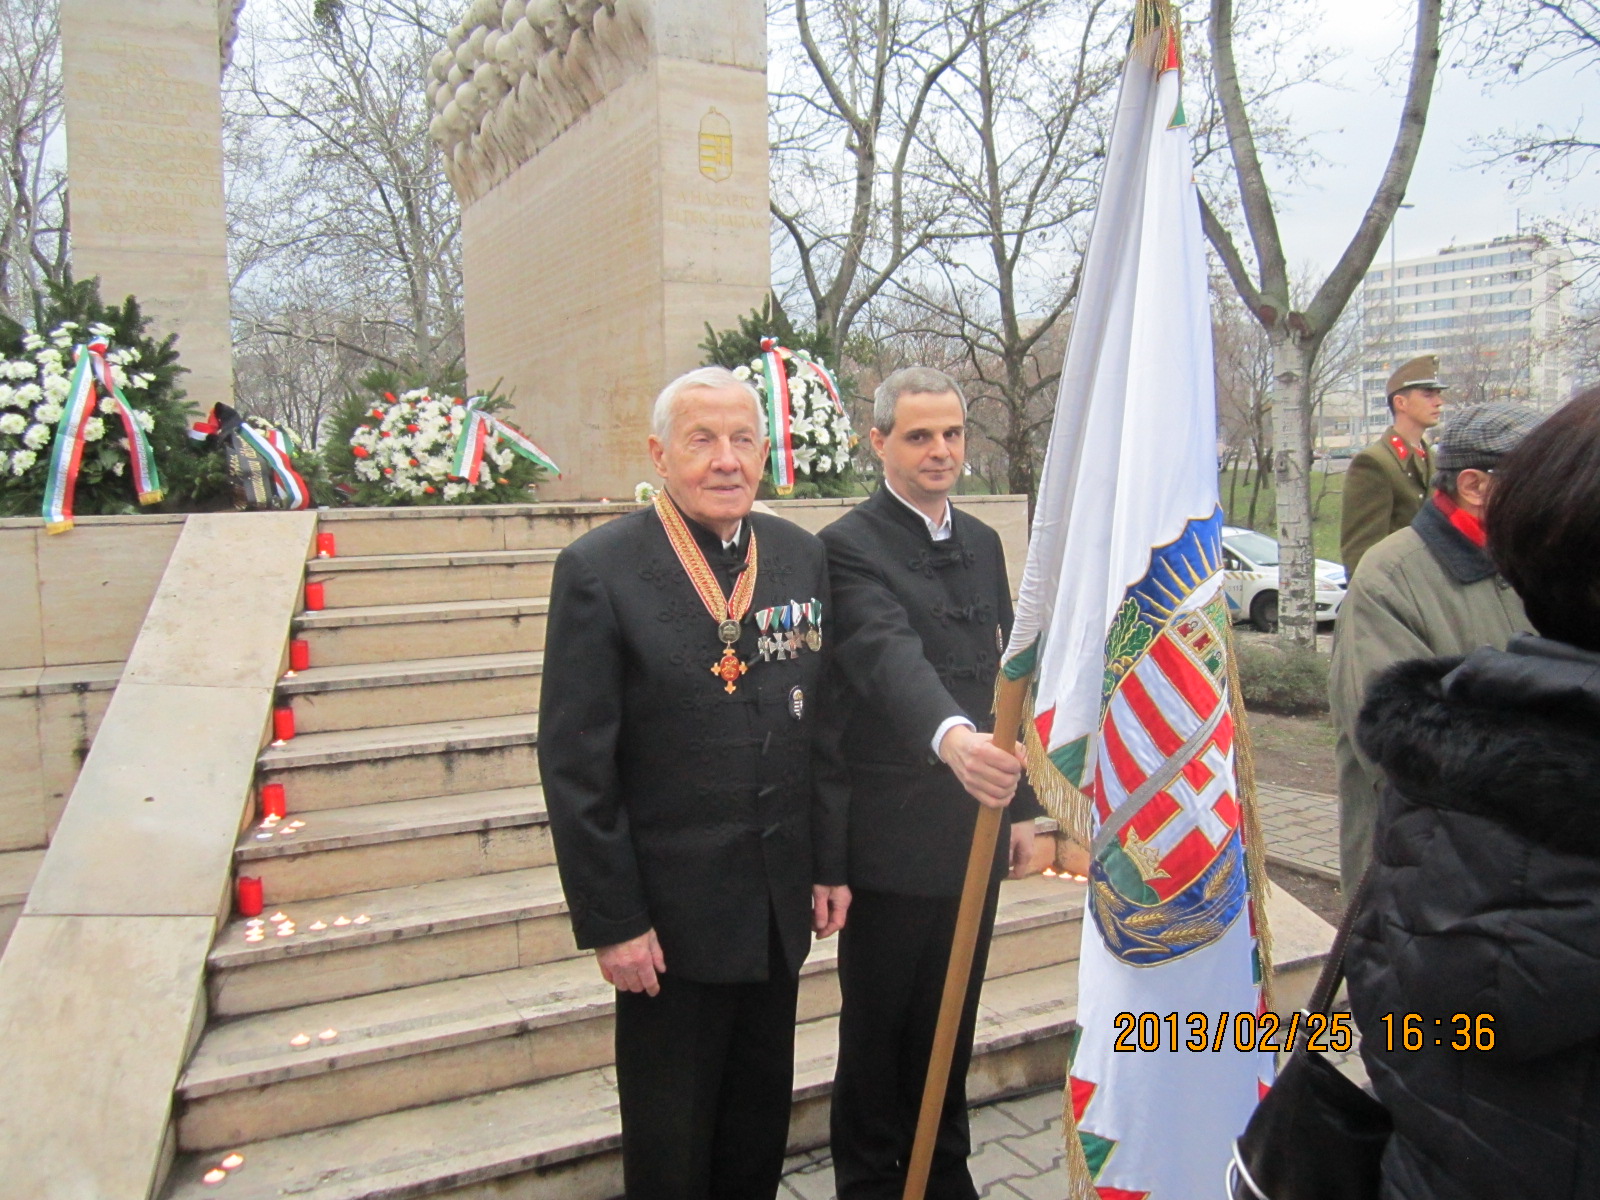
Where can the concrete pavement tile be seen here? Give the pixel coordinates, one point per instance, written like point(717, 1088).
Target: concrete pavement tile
point(995, 1162)
point(812, 1184)
point(1000, 1191)
point(1035, 1112)
point(1049, 1184)
point(992, 1122)
point(1041, 1149)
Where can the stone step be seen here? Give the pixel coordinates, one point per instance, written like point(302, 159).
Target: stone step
point(557, 1137)
point(447, 1039)
point(389, 632)
point(363, 695)
point(420, 933)
point(399, 842)
point(418, 578)
point(457, 528)
point(403, 762)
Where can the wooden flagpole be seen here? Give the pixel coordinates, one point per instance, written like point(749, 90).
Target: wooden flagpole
point(1009, 698)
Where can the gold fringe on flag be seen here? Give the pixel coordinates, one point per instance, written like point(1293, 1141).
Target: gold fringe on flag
point(1255, 850)
point(1150, 19)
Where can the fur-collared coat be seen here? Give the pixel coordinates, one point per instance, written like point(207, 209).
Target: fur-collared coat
point(1485, 903)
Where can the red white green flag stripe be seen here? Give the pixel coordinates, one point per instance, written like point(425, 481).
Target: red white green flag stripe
point(826, 377)
point(480, 432)
point(291, 486)
point(776, 378)
point(66, 454)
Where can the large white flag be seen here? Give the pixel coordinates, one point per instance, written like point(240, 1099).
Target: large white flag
point(1123, 625)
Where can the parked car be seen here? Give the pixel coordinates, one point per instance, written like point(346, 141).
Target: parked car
point(1250, 580)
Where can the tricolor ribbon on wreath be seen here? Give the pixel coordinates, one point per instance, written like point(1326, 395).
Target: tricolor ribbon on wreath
point(775, 377)
point(480, 431)
point(272, 444)
point(66, 455)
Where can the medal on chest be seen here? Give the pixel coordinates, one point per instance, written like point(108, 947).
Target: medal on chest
point(727, 611)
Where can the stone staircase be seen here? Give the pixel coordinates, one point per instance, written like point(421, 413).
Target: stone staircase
point(455, 1042)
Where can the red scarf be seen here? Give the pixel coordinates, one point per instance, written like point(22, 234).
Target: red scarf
point(1466, 524)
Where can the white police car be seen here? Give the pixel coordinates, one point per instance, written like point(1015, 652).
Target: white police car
point(1250, 579)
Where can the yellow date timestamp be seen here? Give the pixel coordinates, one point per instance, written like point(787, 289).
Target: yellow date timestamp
point(1458, 1031)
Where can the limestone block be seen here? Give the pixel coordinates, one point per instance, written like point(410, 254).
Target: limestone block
point(95, 586)
point(1300, 942)
point(144, 136)
point(22, 821)
point(244, 608)
point(23, 643)
point(68, 722)
point(732, 33)
point(96, 1014)
point(337, 785)
point(146, 799)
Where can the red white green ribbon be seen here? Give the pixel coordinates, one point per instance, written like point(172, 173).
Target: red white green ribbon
point(274, 447)
point(776, 376)
point(821, 372)
point(66, 455)
point(480, 432)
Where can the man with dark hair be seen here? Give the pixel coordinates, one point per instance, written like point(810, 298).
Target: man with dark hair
point(1430, 589)
point(698, 816)
point(1388, 481)
point(922, 608)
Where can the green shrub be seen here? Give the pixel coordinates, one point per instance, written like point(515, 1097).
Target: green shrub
point(1293, 682)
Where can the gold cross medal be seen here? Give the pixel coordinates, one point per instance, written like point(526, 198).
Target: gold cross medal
point(728, 668)
point(727, 611)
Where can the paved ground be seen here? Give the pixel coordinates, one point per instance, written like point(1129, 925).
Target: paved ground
point(1301, 829)
point(1017, 1144)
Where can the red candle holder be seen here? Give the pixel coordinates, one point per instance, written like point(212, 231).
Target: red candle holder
point(299, 654)
point(314, 598)
point(272, 797)
point(325, 546)
point(249, 896)
point(283, 723)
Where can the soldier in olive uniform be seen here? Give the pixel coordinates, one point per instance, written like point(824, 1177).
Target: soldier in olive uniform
point(1388, 481)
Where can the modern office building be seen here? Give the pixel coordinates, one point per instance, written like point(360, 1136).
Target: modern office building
point(1491, 311)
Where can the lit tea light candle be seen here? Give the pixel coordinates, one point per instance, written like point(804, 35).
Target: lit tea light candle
point(1049, 872)
point(215, 1175)
point(296, 825)
point(255, 935)
point(317, 926)
point(361, 920)
point(254, 923)
point(278, 918)
point(264, 837)
point(300, 1041)
point(285, 930)
point(286, 831)
point(279, 744)
point(341, 920)
point(269, 821)
point(232, 1163)
point(328, 1035)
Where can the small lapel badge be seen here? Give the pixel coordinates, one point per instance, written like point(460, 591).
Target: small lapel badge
point(797, 702)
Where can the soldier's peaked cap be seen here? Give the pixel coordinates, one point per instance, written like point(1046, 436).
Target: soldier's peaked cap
point(1419, 372)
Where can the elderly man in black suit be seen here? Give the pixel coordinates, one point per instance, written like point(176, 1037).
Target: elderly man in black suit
point(922, 608)
point(697, 815)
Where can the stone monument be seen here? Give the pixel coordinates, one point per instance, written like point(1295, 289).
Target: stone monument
point(611, 160)
point(142, 80)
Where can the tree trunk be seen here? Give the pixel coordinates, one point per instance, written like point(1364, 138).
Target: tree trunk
point(1297, 607)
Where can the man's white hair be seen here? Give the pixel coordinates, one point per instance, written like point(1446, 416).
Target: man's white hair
point(717, 378)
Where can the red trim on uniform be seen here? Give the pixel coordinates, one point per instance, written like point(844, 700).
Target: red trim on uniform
point(1465, 523)
point(1400, 448)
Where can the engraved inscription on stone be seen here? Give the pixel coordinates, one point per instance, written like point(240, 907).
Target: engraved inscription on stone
point(716, 147)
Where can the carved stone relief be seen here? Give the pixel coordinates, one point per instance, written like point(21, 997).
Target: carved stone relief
point(515, 73)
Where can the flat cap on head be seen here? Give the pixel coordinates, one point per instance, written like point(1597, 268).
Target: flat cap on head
point(1479, 436)
point(1419, 372)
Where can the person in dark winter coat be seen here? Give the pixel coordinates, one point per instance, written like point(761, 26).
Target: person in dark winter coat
point(1474, 966)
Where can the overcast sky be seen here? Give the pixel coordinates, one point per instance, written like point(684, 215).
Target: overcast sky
point(1355, 128)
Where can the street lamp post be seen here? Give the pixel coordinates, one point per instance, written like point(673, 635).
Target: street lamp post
point(1394, 287)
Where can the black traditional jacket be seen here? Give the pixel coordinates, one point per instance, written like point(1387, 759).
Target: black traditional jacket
point(673, 803)
point(919, 627)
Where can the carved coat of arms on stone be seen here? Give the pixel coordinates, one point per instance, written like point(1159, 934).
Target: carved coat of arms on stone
point(716, 147)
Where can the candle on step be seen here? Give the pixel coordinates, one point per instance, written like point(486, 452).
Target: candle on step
point(299, 655)
point(314, 598)
point(273, 803)
point(215, 1175)
point(249, 898)
point(283, 723)
point(325, 545)
point(232, 1162)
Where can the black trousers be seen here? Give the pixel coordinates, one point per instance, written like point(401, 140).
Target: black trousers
point(892, 957)
point(705, 1073)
